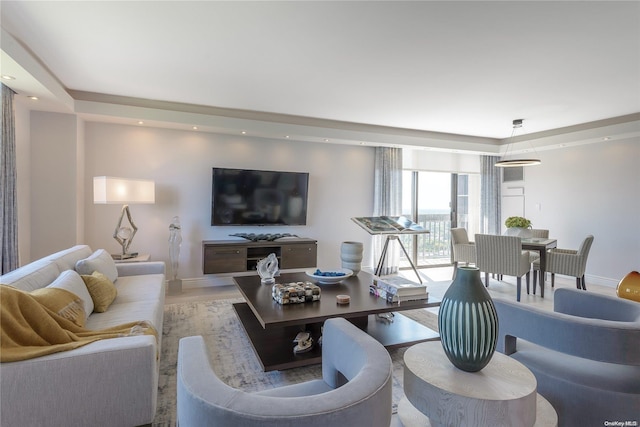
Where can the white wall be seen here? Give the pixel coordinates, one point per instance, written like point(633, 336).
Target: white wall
point(81, 198)
point(54, 168)
point(590, 189)
point(180, 162)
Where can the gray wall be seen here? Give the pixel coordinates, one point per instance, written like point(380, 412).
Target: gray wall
point(590, 189)
point(55, 201)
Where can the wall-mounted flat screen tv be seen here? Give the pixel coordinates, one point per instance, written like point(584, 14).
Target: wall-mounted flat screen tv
point(257, 197)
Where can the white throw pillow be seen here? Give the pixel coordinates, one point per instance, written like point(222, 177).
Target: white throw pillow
point(71, 281)
point(100, 261)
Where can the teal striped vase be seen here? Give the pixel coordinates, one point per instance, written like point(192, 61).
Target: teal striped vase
point(468, 322)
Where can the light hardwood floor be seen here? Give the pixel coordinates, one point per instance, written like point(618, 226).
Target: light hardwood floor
point(437, 280)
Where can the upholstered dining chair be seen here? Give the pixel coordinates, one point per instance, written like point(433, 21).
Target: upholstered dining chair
point(569, 262)
point(355, 388)
point(462, 249)
point(502, 255)
point(537, 233)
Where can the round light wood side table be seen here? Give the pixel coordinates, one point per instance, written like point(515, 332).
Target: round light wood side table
point(439, 394)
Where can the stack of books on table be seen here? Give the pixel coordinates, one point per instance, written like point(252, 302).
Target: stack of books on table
point(396, 289)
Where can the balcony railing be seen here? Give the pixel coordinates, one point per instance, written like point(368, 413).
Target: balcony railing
point(433, 248)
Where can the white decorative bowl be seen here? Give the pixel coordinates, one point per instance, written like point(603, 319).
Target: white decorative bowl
point(329, 280)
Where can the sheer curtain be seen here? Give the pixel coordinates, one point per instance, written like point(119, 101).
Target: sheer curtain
point(490, 195)
point(387, 200)
point(8, 198)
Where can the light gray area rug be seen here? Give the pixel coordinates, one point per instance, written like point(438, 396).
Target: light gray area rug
point(233, 358)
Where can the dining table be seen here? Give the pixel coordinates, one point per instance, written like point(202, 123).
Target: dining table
point(540, 245)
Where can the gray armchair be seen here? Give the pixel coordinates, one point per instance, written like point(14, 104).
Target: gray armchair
point(584, 354)
point(502, 255)
point(462, 249)
point(355, 388)
point(568, 262)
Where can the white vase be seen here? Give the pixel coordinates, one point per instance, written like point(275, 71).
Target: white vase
point(351, 255)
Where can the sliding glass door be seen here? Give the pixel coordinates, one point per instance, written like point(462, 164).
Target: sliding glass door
point(438, 201)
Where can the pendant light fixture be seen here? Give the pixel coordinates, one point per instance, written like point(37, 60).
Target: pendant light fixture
point(512, 163)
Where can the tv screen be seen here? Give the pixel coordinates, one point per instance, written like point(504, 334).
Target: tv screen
point(255, 197)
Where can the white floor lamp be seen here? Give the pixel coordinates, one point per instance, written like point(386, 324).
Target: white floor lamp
point(110, 190)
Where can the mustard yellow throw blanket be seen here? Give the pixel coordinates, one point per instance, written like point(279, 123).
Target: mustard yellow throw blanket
point(42, 323)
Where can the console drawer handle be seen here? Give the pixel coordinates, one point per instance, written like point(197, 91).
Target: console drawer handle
point(223, 252)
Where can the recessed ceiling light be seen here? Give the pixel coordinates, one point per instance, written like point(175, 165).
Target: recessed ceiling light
point(326, 140)
point(286, 136)
point(244, 132)
point(606, 138)
point(8, 77)
point(140, 122)
point(34, 98)
point(195, 128)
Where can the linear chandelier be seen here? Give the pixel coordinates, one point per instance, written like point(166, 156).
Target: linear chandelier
point(512, 163)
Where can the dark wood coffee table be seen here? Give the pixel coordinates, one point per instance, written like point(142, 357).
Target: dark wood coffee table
point(271, 327)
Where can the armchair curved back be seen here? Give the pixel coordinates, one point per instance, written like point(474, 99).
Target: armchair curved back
point(595, 306)
point(347, 353)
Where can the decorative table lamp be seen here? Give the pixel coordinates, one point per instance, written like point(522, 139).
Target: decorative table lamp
point(110, 190)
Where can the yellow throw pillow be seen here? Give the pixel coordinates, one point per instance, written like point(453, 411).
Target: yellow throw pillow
point(101, 289)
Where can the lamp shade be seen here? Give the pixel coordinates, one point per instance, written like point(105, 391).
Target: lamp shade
point(110, 190)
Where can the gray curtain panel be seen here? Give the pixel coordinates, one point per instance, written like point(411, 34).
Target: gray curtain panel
point(8, 196)
point(387, 200)
point(490, 195)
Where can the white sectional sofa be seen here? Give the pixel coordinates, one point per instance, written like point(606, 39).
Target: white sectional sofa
point(110, 382)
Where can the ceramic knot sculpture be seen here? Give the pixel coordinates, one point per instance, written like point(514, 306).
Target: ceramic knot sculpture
point(267, 269)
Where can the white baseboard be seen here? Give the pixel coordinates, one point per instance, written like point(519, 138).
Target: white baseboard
point(600, 281)
point(206, 282)
point(592, 280)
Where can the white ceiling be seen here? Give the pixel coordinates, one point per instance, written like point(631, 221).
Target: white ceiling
point(466, 68)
